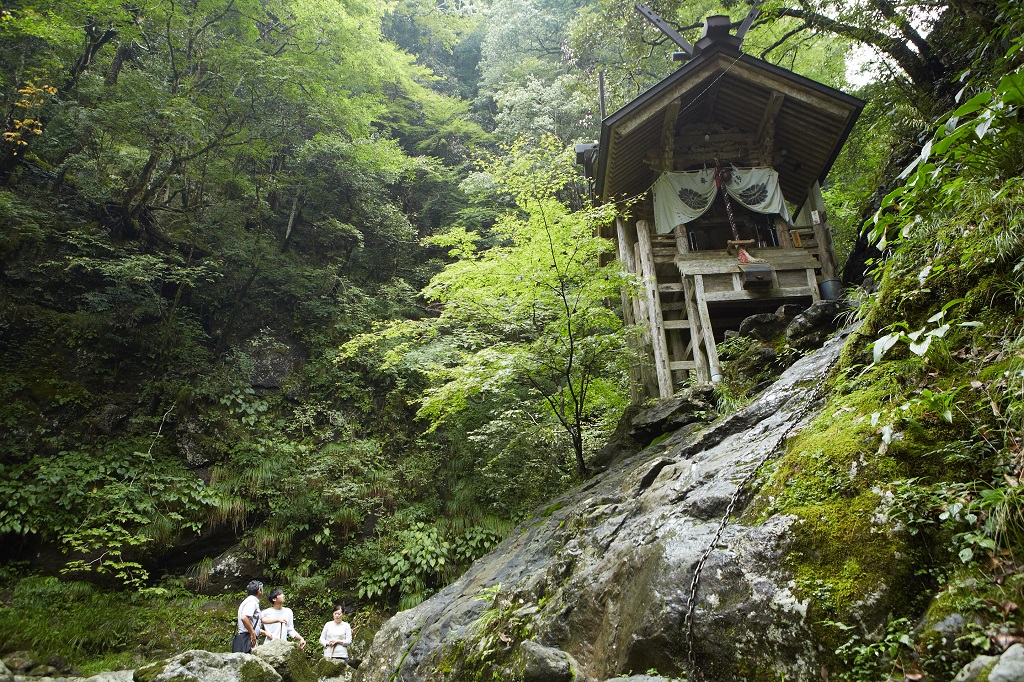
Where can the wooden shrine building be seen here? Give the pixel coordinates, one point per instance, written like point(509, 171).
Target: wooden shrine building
point(726, 156)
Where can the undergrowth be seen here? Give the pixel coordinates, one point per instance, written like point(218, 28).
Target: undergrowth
point(96, 630)
point(908, 542)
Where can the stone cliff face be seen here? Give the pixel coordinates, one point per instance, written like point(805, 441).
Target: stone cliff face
point(598, 583)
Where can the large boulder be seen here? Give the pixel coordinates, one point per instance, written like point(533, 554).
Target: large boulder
point(1006, 667)
point(769, 327)
point(691, 405)
point(203, 666)
point(973, 671)
point(641, 426)
point(336, 671)
point(811, 328)
point(765, 327)
point(1010, 666)
point(231, 571)
point(19, 662)
point(287, 659)
point(545, 664)
point(603, 573)
point(274, 360)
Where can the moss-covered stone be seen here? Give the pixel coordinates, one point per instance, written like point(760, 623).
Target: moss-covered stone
point(148, 673)
point(330, 669)
point(253, 672)
point(486, 651)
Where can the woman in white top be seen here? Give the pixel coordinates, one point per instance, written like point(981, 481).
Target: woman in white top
point(337, 636)
point(278, 621)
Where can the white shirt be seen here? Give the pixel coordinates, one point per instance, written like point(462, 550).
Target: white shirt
point(250, 607)
point(332, 630)
point(279, 630)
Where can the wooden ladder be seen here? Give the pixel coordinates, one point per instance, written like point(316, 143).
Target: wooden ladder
point(681, 315)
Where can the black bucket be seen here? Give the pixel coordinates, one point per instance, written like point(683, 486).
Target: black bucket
point(831, 289)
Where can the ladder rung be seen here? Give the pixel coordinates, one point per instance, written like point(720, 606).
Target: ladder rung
point(677, 324)
point(682, 364)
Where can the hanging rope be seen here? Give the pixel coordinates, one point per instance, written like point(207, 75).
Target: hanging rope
point(722, 176)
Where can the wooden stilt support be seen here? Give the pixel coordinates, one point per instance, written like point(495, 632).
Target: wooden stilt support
point(709, 335)
point(822, 234)
point(658, 342)
point(702, 370)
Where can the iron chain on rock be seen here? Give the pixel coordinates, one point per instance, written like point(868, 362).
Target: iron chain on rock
point(691, 603)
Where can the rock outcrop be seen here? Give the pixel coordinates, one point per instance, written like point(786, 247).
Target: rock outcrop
point(204, 666)
point(1007, 667)
point(287, 659)
point(601, 585)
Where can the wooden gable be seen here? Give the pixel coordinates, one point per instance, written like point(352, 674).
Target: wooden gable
point(730, 106)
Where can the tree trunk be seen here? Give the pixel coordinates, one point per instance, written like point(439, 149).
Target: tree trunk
point(291, 219)
point(124, 53)
point(95, 38)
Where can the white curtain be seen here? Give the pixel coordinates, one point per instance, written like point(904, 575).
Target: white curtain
point(682, 197)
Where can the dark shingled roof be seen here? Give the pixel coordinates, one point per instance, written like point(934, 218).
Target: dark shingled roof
point(811, 126)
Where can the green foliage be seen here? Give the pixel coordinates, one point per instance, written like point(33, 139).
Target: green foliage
point(97, 630)
point(423, 562)
point(419, 566)
point(873, 660)
point(103, 507)
point(524, 318)
point(928, 395)
point(980, 138)
point(208, 188)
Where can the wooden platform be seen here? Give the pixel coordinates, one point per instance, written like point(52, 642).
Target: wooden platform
point(719, 262)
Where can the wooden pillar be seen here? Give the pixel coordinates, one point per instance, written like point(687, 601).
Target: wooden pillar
point(640, 306)
point(624, 254)
point(822, 234)
point(714, 365)
point(682, 245)
point(782, 231)
point(650, 279)
point(640, 309)
point(630, 309)
point(696, 331)
point(812, 284)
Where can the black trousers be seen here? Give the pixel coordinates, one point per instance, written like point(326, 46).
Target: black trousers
point(241, 644)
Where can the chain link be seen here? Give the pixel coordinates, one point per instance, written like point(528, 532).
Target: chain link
point(691, 602)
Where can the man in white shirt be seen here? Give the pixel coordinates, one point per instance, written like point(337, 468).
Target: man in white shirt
point(248, 621)
point(336, 636)
point(278, 621)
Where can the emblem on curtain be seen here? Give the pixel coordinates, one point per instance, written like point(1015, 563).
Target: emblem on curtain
point(754, 195)
point(694, 200)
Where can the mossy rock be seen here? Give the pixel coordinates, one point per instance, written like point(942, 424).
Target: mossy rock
point(330, 670)
point(287, 659)
point(198, 666)
point(148, 673)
